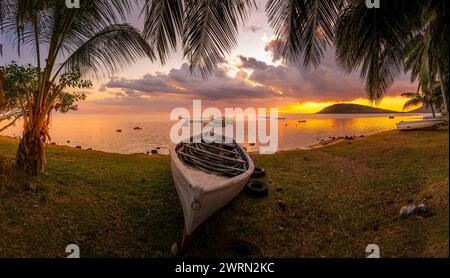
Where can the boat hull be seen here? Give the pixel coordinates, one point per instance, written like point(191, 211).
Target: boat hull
point(202, 194)
point(422, 124)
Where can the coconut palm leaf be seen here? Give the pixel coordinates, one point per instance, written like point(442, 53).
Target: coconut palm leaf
point(426, 54)
point(305, 28)
point(109, 50)
point(372, 41)
point(409, 95)
point(207, 28)
point(163, 24)
point(16, 21)
point(414, 102)
point(210, 30)
point(62, 30)
point(414, 49)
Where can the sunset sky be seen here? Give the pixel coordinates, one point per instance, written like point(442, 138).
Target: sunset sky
point(252, 76)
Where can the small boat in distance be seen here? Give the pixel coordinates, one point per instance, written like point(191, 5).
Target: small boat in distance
point(421, 124)
point(207, 176)
point(222, 121)
point(268, 118)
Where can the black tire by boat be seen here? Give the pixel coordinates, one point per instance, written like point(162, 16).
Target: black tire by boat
point(259, 172)
point(257, 188)
point(244, 248)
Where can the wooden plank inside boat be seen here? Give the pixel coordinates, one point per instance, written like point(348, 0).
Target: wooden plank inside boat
point(221, 159)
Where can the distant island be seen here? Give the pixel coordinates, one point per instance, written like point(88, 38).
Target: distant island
point(349, 108)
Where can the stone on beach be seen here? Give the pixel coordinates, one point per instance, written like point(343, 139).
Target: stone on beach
point(406, 211)
point(33, 186)
point(281, 204)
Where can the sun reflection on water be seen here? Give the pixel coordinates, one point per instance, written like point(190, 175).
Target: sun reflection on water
point(100, 132)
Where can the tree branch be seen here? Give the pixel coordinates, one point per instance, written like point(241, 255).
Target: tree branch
point(11, 123)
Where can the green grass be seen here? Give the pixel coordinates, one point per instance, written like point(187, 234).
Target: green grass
point(336, 200)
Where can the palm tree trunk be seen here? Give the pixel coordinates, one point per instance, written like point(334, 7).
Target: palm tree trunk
point(443, 91)
point(31, 153)
point(2, 92)
point(432, 109)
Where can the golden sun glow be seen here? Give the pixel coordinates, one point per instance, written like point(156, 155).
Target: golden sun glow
point(389, 103)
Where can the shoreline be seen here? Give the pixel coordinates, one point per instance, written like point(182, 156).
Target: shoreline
point(339, 139)
point(128, 143)
point(323, 143)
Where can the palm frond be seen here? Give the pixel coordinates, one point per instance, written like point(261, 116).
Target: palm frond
point(210, 31)
point(412, 103)
point(16, 20)
point(109, 51)
point(163, 24)
point(74, 26)
point(414, 48)
point(305, 28)
point(372, 41)
point(409, 95)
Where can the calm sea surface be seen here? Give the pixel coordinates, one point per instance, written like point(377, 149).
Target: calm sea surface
point(99, 131)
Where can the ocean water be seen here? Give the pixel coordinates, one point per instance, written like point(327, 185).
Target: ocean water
point(99, 132)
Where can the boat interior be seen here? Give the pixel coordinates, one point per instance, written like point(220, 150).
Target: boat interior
point(223, 159)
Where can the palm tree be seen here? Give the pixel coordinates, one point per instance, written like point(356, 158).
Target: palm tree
point(89, 40)
point(369, 40)
point(426, 54)
point(92, 41)
point(2, 92)
point(416, 99)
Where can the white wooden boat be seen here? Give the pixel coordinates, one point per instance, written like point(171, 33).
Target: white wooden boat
point(207, 176)
point(421, 124)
